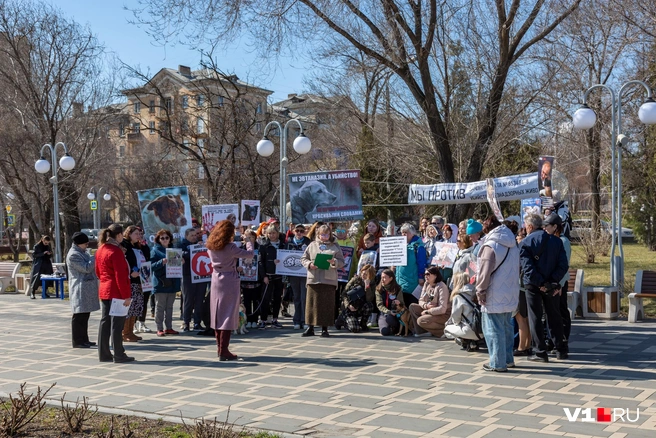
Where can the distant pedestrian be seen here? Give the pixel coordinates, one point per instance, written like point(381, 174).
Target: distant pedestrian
point(82, 289)
point(41, 265)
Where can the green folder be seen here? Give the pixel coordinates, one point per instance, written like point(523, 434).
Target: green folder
point(322, 261)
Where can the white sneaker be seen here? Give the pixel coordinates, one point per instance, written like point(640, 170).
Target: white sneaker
point(137, 327)
point(145, 329)
point(297, 326)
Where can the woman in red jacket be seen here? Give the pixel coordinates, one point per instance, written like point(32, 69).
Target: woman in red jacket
point(113, 272)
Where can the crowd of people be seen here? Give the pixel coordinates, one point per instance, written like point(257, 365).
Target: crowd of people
point(506, 291)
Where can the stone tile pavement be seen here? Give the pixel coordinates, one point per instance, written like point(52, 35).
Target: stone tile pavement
point(344, 386)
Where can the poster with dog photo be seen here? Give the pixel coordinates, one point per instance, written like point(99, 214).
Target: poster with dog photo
point(173, 263)
point(343, 273)
point(213, 214)
point(146, 276)
point(201, 265)
point(248, 268)
point(325, 196)
point(166, 208)
point(250, 212)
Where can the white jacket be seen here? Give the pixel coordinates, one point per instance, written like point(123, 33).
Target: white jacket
point(502, 286)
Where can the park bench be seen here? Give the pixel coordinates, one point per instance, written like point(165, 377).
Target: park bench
point(574, 293)
point(645, 287)
point(8, 271)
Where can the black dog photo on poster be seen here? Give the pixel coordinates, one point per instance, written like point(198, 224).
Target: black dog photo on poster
point(325, 196)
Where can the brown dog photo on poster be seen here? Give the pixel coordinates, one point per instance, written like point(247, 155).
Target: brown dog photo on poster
point(165, 212)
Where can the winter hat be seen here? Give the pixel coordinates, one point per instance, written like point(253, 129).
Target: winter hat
point(474, 227)
point(80, 238)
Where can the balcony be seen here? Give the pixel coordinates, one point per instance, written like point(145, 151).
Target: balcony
point(135, 137)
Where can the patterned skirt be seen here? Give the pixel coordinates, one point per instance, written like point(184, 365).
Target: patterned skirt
point(137, 303)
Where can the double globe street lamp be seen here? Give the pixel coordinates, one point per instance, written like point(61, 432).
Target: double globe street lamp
point(584, 118)
point(97, 213)
point(43, 166)
point(265, 148)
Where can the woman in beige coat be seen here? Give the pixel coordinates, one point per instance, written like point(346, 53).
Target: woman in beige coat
point(434, 308)
point(321, 283)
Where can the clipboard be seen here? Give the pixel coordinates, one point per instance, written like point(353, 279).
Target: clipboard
point(321, 261)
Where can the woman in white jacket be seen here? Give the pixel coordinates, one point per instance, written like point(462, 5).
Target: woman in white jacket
point(462, 313)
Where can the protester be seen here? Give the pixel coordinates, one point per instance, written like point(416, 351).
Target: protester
point(450, 233)
point(149, 298)
point(224, 304)
point(41, 265)
point(114, 274)
point(272, 282)
point(544, 263)
point(297, 284)
point(389, 297)
point(423, 223)
point(321, 283)
point(497, 290)
point(438, 222)
point(475, 231)
point(373, 228)
point(164, 288)
point(553, 225)
point(460, 324)
point(252, 290)
point(193, 294)
point(521, 315)
point(430, 314)
point(359, 300)
point(82, 289)
point(134, 256)
point(411, 275)
point(432, 237)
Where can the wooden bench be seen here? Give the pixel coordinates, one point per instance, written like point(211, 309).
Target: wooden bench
point(574, 292)
point(645, 287)
point(8, 271)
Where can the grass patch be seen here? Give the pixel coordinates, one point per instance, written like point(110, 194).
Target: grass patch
point(636, 257)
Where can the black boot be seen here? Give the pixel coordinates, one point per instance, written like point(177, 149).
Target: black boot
point(32, 294)
point(309, 331)
point(324, 332)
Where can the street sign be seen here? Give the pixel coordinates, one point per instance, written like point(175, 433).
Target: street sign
point(11, 220)
point(94, 205)
point(8, 208)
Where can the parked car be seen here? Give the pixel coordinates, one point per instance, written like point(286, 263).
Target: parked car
point(92, 233)
point(582, 227)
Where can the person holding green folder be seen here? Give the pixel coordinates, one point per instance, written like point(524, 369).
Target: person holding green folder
point(321, 258)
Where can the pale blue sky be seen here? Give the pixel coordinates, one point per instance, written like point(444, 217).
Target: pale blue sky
point(108, 20)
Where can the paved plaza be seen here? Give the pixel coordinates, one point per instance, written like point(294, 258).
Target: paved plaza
point(345, 386)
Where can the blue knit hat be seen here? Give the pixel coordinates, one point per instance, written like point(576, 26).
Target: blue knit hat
point(473, 227)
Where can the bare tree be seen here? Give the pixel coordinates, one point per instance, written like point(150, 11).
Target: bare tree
point(51, 70)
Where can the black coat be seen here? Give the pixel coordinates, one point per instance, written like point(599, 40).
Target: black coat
point(131, 257)
point(268, 254)
point(41, 263)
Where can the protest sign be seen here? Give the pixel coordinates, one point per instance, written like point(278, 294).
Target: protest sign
point(325, 196)
point(212, 214)
point(545, 169)
point(508, 188)
point(250, 212)
point(368, 257)
point(343, 273)
point(492, 199)
point(249, 268)
point(393, 251)
point(445, 254)
point(166, 208)
point(173, 263)
point(146, 276)
point(201, 265)
point(530, 206)
point(290, 263)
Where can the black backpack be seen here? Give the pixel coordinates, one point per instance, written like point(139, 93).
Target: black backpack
point(476, 323)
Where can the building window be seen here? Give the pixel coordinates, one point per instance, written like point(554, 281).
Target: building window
point(168, 104)
point(136, 128)
point(200, 126)
point(151, 126)
point(185, 102)
point(121, 151)
point(258, 110)
point(220, 101)
point(107, 132)
point(201, 172)
point(151, 106)
point(184, 125)
point(121, 129)
point(258, 127)
point(200, 100)
point(137, 107)
point(200, 192)
point(201, 143)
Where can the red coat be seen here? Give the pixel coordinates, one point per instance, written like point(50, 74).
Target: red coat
point(113, 272)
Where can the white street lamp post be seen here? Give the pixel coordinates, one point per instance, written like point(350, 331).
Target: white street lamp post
point(97, 213)
point(43, 166)
point(265, 148)
point(584, 118)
